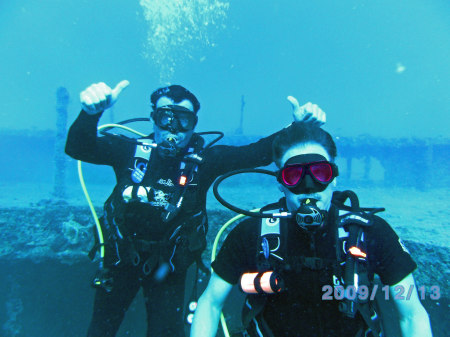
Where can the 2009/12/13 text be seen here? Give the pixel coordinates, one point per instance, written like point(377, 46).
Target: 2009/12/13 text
point(363, 292)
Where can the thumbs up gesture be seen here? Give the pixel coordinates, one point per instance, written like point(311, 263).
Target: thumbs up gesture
point(98, 96)
point(308, 113)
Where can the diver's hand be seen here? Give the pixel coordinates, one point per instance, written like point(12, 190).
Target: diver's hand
point(98, 97)
point(308, 113)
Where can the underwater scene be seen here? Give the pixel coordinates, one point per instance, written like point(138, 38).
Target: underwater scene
point(379, 70)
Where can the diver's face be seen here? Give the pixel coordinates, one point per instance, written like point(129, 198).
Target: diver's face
point(323, 197)
point(180, 138)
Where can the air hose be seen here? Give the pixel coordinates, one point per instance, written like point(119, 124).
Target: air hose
point(213, 257)
point(86, 194)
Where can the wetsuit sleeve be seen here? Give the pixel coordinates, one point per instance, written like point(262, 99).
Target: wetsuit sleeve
point(226, 158)
point(391, 260)
point(237, 254)
point(84, 144)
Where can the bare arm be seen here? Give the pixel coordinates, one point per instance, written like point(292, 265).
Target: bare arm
point(210, 304)
point(414, 320)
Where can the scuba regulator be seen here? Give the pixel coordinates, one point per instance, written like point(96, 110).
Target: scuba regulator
point(308, 214)
point(168, 148)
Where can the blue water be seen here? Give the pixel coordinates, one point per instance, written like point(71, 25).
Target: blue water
point(377, 68)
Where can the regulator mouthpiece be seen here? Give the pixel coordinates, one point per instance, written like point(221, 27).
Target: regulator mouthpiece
point(308, 214)
point(172, 139)
point(168, 147)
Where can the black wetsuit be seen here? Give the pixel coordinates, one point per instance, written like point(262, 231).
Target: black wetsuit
point(141, 222)
point(301, 309)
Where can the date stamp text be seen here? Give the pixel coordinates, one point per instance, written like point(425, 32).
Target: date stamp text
point(363, 292)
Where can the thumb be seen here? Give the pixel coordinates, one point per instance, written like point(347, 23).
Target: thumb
point(294, 103)
point(118, 89)
point(297, 111)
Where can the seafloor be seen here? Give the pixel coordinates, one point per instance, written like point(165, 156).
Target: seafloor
point(46, 274)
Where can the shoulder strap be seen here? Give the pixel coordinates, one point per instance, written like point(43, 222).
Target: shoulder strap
point(351, 249)
point(271, 244)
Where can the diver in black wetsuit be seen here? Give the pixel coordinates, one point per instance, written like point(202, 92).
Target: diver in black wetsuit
point(154, 222)
point(311, 244)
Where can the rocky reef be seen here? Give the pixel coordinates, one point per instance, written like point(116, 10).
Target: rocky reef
point(44, 252)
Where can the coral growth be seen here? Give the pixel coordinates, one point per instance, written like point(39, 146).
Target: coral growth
point(75, 232)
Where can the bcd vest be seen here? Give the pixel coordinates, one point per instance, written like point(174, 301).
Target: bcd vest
point(131, 189)
point(350, 267)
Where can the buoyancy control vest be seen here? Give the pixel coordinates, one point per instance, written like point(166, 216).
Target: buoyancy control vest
point(121, 243)
point(350, 268)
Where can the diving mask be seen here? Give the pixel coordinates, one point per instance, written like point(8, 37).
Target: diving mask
point(307, 173)
point(175, 118)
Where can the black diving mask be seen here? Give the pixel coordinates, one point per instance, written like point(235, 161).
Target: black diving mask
point(174, 118)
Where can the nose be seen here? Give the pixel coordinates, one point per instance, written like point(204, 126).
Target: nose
point(172, 127)
point(308, 184)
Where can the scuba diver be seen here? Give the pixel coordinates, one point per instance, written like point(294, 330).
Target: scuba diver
point(154, 223)
point(307, 262)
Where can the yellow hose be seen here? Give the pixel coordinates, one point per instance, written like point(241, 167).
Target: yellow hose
point(86, 194)
point(213, 257)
